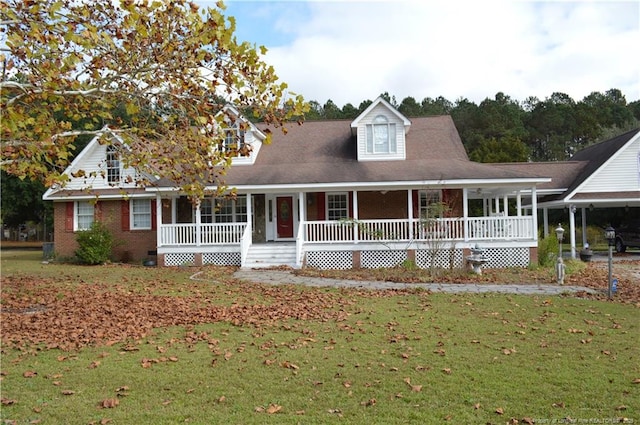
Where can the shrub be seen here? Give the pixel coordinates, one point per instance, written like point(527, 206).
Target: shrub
point(94, 245)
point(547, 251)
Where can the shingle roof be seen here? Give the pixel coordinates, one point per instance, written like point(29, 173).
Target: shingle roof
point(562, 173)
point(325, 152)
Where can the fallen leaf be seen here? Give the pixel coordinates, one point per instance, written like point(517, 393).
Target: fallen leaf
point(528, 421)
point(30, 374)
point(68, 392)
point(109, 403)
point(500, 411)
point(166, 402)
point(7, 401)
point(93, 365)
point(370, 402)
point(476, 406)
point(222, 399)
point(447, 371)
point(273, 408)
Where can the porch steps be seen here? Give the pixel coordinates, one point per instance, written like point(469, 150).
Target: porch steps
point(274, 254)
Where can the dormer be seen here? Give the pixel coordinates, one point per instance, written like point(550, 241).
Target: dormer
point(242, 139)
point(380, 132)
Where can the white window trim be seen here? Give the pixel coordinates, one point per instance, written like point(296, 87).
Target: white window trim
point(391, 144)
point(345, 194)
point(76, 215)
point(132, 221)
point(435, 195)
point(111, 150)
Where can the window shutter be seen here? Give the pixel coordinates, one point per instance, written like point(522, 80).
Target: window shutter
point(124, 217)
point(68, 221)
point(321, 197)
point(416, 203)
point(154, 216)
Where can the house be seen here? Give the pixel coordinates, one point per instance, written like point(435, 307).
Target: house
point(372, 192)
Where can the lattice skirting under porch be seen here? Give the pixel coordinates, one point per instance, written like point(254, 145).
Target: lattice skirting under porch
point(500, 258)
point(179, 259)
point(222, 258)
point(425, 258)
point(440, 259)
point(330, 260)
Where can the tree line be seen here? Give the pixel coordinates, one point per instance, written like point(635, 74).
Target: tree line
point(503, 129)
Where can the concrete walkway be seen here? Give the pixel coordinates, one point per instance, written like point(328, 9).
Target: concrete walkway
point(279, 277)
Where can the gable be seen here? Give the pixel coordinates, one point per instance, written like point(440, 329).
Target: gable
point(90, 169)
point(618, 171)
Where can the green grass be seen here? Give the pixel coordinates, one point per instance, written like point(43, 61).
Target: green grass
point(406, 357)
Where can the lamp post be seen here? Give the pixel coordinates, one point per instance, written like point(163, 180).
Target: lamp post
point(610, 236)
point(559, 262)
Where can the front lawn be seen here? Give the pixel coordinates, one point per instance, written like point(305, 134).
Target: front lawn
point(126, 344)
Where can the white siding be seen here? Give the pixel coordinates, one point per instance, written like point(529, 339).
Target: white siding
point(380, 109)
point(619, 174)
point(94, 161)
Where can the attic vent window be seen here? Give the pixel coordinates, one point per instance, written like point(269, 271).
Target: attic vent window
point(113, 165)
point(381, 136)
point(234, 141)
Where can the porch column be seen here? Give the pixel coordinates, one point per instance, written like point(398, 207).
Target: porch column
point(198, 224)
point(534, 212)
point(465, 213)
point(572, 229)
point(158, 221)
point(302, 212)
point(584, 226)
point(545, 218)
point(497, 202)
point(505, 203)
point(410, 212)
point(249, 210)
point(518, 203)
point(355, 215)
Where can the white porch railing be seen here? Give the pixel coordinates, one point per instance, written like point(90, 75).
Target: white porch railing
point(449, 229)
point(245, 243)
point(210, 234)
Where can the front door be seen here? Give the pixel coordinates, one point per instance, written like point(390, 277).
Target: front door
point(284, 220)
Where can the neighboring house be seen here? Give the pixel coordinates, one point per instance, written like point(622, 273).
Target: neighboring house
point(328, 194)
point(603, 175)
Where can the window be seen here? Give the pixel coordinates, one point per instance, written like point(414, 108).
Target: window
point(113, 165)
point(206, 211)
point(234, 141)
point(431, 204)
point(381, 136)
point(227, 211)
point(337, 206)
point(84, 215)
point(140, 214)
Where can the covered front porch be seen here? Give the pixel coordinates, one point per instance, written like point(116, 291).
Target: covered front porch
point(348, 229)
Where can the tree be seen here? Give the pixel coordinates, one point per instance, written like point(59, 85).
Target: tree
point(170, 65)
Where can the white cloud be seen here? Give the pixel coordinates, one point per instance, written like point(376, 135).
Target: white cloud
point(352, 51)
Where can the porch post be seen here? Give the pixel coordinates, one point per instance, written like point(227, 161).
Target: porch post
point(584, 226)
point(410, 212)
point(158, 221)
point(249, 210)
point(198, 224)
point(572, 229)
point(355, 215)
point(497, 202)
point(534, 212)
point(519, 203)
point(505, 203)
point(465, 212)
point(545, 218)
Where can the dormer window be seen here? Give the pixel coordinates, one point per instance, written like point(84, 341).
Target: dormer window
point(113, 165)
point(381, 136)
point(234, 141)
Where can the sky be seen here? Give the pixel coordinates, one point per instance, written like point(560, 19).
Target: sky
point(351, 51)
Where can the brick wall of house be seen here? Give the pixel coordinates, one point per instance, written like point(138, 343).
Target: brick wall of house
point(129, 245)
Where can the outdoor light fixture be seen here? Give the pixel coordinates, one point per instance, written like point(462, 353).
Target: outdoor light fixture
point(610, 236)
point(559, 263)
